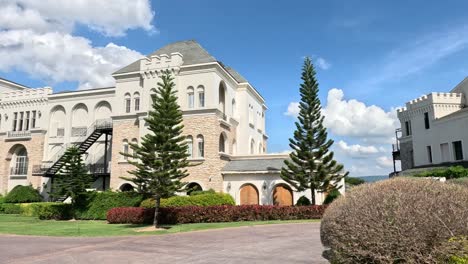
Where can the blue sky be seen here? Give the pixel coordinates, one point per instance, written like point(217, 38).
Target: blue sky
point(375, 56)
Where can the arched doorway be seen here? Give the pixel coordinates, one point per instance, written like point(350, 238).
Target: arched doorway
point(282, 195)
point(248, 194)
point(126, 187)
point(193, 187)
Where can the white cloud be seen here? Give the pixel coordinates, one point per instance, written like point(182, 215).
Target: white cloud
point(111, 17)
point(37, 38)
point(322, 63)
point(293, 109)
point(354, 118)
point(384, 161)
point(358, 151)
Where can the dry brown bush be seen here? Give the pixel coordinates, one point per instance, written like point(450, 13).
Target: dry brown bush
point(395, 221)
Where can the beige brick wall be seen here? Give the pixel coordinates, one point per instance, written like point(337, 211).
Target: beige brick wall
point(208, 171)
point(35, 150)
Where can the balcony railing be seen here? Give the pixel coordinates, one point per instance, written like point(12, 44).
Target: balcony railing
point(97, 168)
point(79, 131)
point(19, 134)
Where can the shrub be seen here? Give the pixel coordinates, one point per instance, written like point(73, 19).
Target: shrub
point(456, 250)
point(94, 205)
point(331, 196)
point(454, 172)
point(353, 181)
point(399, 219)
point(210, 191)
point(55, 211)
point(205, 199)
point(303, 200)
point(130, 215)
point(9, 208)
point(23, 194)
point(212, 214)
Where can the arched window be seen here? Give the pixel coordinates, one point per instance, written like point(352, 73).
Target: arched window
point(190, 97)
point(152, 95)
point(193, 187)
point(222, 99)
point(201, 146)
point(201, 96)
point(128, 103)
point(260, 148)
point(20, 166)
point(125, 149)
point(233, 108)
point(252, 146)
point(136, 100)
point(234, 147)
point(190, 146)
point(134, 142)
point(126, 187)
point(222, 143)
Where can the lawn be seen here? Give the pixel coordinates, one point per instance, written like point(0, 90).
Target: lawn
point(25, 225)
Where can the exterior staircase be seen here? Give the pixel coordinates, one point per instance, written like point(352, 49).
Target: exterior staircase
point(93, 133)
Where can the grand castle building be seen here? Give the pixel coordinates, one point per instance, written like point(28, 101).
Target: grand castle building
point(223, 117)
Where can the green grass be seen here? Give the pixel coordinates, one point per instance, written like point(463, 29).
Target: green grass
point(25, 225)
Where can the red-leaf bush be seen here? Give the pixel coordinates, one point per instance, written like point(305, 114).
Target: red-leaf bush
point(213, 214)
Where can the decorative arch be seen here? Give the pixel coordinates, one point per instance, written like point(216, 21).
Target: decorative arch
point(125, 148)
point(19, 160)
point(201, 146)
point(128, 102)
point(248, 194)
point(152, 95)
point(80, 115)
point(136, 101)
point(260, 148)
point(190, 146)
point(193, 187)
point(252, 146)
point(57, 124)
point(126, 187)
point(282, 195)
point(102, 110)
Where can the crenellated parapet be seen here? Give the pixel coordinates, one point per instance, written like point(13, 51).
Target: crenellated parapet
point(25, 97)
point(441, 104)
point(151, 67)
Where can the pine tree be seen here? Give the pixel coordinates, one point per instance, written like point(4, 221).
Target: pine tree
point(161, 158)
point(72, 179)
point(311, 165)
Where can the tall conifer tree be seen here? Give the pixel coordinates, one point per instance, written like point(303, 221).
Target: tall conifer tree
point(161, 158)
point(311, 165)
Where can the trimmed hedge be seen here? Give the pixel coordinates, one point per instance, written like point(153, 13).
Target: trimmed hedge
point(214, 214)
point(404, 219)
point(55, 211)
point(9, 208)
point(23, 194)
point(454, 172)
point(204, 199)
point(94, 205)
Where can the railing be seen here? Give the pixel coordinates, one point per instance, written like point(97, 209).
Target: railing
point(98, 124)
point(97, 168)
point(19, 134)
point(79, 131)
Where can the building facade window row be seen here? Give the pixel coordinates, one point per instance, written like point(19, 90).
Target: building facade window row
point(127, 150)
point(24, 121)
point(200, 97)
point(196, 149)
point(128, 102)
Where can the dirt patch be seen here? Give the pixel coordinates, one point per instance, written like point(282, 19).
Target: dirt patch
point(149, 229)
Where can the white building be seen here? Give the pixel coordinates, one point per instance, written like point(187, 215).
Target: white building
point(224, 121)
point(433, 130)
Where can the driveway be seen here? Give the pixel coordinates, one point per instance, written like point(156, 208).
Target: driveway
point(280, 243)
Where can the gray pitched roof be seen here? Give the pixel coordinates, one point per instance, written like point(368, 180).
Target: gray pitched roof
point(260, 164)
point(192, 52)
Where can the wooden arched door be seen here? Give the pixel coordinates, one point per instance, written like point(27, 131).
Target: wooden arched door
point(248, 194)
point(282, 195)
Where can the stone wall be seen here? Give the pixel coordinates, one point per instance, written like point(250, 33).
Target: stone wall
point(35, 149)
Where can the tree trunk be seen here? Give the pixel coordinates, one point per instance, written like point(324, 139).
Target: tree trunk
point(157, 200)
point(312, 200)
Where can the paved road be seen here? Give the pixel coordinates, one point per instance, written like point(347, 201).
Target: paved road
point(281, 243)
